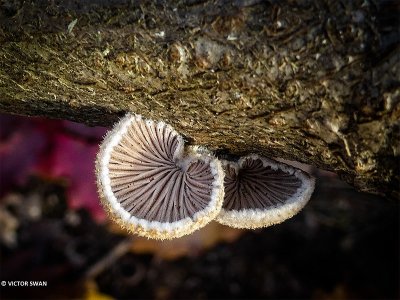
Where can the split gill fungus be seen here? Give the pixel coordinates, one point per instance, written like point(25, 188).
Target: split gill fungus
point(260, 192)
point(152, 185)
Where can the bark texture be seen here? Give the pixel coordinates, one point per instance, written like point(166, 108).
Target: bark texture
point(312, 81)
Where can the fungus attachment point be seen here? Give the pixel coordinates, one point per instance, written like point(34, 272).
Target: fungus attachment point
point(153, 187)
point(260, 192)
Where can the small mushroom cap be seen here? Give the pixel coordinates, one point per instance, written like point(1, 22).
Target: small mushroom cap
point(151, 185)
point(260, 192)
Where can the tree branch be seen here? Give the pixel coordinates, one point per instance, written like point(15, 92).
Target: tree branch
point(312, 81)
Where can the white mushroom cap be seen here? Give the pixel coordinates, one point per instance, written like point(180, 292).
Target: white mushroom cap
point(150, 185)
point(260, 192)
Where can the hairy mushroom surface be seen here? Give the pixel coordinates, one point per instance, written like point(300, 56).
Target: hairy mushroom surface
point(151, 185)
point(260, 192)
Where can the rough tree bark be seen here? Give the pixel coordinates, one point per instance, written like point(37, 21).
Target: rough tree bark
point(312, 81)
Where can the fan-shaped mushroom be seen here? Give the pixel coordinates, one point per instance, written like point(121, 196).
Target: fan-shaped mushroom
point(260, 192)
point(153, 186)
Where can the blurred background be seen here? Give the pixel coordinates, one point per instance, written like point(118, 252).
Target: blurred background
point(343, 245)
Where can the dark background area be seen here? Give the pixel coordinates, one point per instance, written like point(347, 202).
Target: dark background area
point(343, 245)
